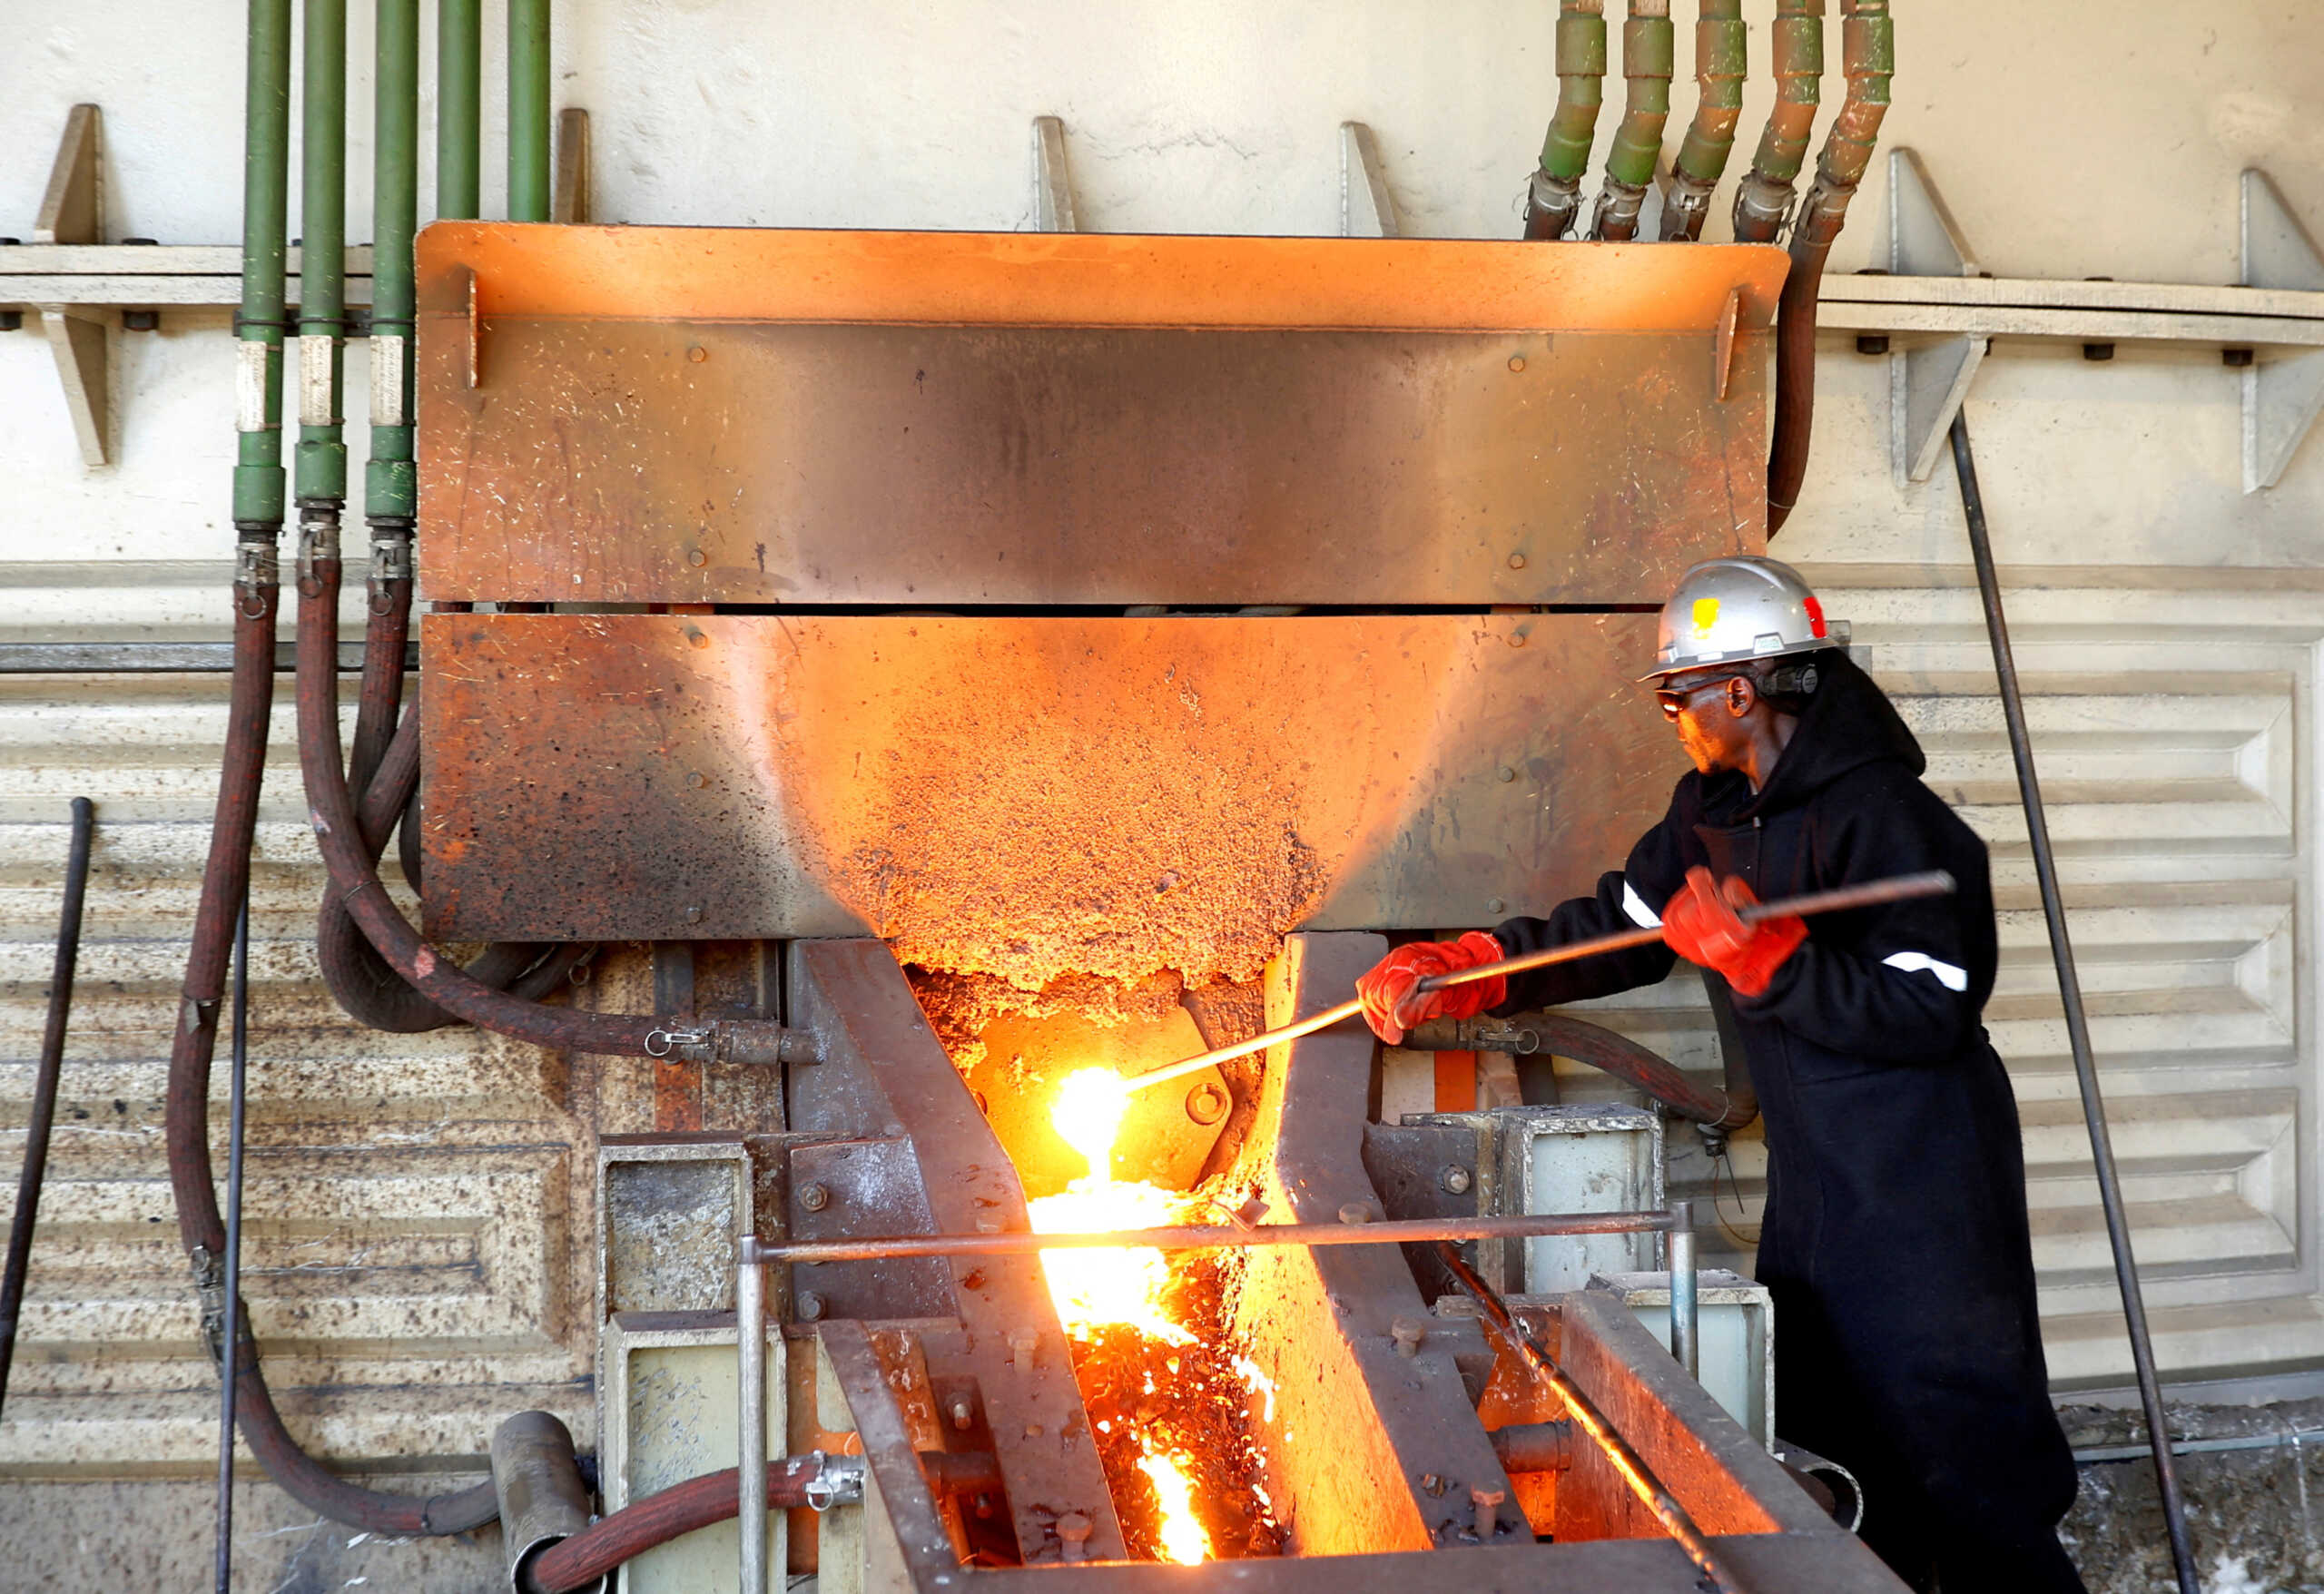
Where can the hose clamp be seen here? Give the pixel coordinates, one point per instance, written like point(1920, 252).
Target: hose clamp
point(210, 1288)
point(258, 570)
point(838, 1480)
point(688, 1045)
point(318, 540)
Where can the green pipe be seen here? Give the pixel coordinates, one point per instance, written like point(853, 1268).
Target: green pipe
point(459, 107)
point(1868, 56)
point(1649, 53)
point(1720, 67)
point(1556, 193)
point(321, 473)
point(529, 110)
point(391, 481)
point(1765, 197)
point(258, 325)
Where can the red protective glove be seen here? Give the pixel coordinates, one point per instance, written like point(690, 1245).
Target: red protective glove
point(1702, 926)
point(1393, 1001)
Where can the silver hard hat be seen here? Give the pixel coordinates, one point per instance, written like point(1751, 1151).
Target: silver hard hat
point(1743, 608)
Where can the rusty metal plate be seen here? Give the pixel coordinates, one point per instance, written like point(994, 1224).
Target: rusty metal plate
point(697, 416)
point(1028, 796)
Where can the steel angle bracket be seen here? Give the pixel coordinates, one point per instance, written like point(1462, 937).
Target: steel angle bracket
point(1927, 380)
point(1367, 208)
point(2282, 394)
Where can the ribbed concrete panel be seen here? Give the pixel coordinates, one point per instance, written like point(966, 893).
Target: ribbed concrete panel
point(417, 1206)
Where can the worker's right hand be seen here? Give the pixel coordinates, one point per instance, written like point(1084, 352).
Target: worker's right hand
point(1393, 1001)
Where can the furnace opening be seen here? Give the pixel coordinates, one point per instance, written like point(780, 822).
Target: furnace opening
point(1170, 1396)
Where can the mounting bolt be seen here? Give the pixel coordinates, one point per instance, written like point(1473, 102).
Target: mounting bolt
point(1488, 1504)
point(696, 557)
point(814, 1197)
point(1517, 561)
point(1023, 1343)
point(1872, 342)
point(697, 353)
point(1076, 1531)
point(694, 916)
point(140, 321)
point(1517, 362)
point(2237, 357)
point(696, 781)
point(809, 1306)
point(1495, 905)
point(1206, 1104)
point(1504, 774)
point(1408, 1333)
point(1356, 1212)
point(963, 1413)
point(1455, 1180)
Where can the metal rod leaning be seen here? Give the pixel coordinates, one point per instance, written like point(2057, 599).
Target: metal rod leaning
point(1627, 1462)
point(2086, 1063)
point(238, 1055)
point(46, 1080)
point(1224, 1237)
point(1685, 1342)
point(750, 1351)
point(1900, 888)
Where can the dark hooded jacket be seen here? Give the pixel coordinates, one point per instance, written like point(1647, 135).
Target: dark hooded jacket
point(1895, 1239)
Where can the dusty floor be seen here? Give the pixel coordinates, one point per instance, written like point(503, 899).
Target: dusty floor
point(2256, 1515)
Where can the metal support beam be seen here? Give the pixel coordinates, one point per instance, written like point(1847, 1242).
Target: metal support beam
point(1052, 184)
point(72, 210)
point(2282, 395)
point(1926, 381)
point(1367, 208)
point(570, 203)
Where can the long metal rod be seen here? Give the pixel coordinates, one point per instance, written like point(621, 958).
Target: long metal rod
point(1685, 1319)
point(1900, 888)
point(1627, 1462)
point(1224, 1237)
point(45, 1079)
point(750, 1352)
point(240, 1053)
point(2085, 1066)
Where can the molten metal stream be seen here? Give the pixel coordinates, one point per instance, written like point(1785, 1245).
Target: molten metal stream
point(1120, 1287)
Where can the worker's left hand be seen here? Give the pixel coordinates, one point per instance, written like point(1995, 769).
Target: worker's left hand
point(1701, 925)
point(1393, 1001)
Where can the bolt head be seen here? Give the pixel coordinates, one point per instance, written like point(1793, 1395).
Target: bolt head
point(815, 1197)
point(1504, 774)
point(1455, 1180)
point(1495, 905)
point(1517, 362)
point(696, 557)
point(1206, 1103)
point(810, 1305)
point(697, 353)
point(694, 916)
point(1517, 561)
point(1075, 1528)
point(1356, 1212)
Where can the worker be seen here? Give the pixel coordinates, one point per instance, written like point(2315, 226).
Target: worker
point(1895, 1242)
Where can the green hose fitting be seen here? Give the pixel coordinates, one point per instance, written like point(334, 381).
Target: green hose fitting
point(258, 485)
point(459, 114)
point(1650, 51)
point(1720, 70)
point(322, 467)
point(1582, 77)
point(528, 117)
point(1556, 191)
point(1765, 197)
point(1869, 55)
point(391, 479)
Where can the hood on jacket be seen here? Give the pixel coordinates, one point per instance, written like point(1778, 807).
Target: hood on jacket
point(1848, 723)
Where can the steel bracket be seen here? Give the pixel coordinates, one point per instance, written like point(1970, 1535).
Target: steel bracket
point(1052, 183)
point(2282, 394)
point(1926, 381)
point(1367, 208)
point(72, 210)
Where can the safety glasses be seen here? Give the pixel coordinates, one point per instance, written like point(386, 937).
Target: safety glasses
point(1675, 699)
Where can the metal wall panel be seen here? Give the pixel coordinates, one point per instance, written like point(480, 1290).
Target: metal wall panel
point(710, 415)
point(1028, 796)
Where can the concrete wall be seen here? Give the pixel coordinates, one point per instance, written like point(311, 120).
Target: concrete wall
point(2169, 626)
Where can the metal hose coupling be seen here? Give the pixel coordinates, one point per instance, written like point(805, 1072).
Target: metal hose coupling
point(838, 1480)
point(318, 540)
point(391, 560)
point(753, 1041)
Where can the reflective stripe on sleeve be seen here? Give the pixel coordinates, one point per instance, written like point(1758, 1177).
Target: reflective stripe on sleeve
point(1644, 916)
point(1948, 976)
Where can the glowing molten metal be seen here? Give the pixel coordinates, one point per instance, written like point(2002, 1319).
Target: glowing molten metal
point(1121, 1287)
